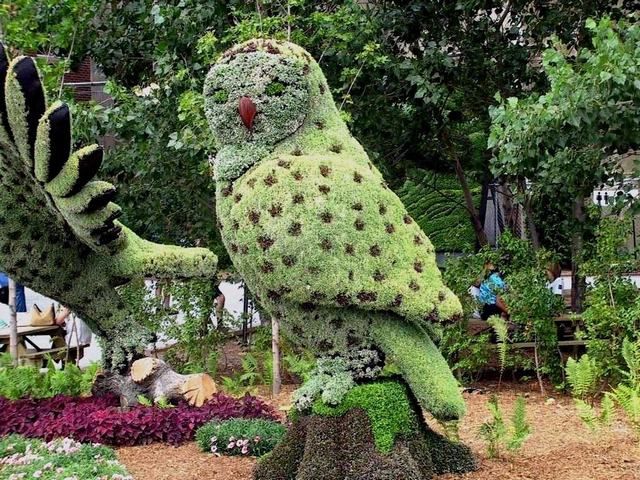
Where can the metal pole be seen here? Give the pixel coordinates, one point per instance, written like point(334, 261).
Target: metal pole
point(275, 348)
point(13, 323)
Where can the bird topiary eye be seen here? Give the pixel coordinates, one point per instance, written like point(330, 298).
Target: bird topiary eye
point(220, 96)
point(274, 89)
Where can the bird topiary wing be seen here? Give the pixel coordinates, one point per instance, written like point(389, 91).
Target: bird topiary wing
point(327, 231)
point(36, 149)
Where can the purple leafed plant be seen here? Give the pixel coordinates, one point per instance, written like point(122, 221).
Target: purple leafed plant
point(100, 420)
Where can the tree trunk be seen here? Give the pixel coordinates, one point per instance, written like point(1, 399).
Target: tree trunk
point(471, 208)
point(481, 236)
point(578, 283)
point(318, 447)
point(534, 235)
point(275, 349)
point(13, 323)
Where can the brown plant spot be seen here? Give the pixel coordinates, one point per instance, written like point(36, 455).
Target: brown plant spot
point(382, 209)
point(441, 296)
point(389, 228)
point(326, 244)
point(417, 240)
point(349, 249)
point(298, 198)
point(297, 331)
point(324, 189)
point(296, 152)
point(251, 182)
point(336, 323)
point(317, 297)
point(325, 346)
point(265, 242)
point(273, 295)
point(305, 69)
point(417, 266)
point(227, 190)
point(284, 163)
point(313, 270)
point(320, 125)
point(351, 275)
point(407, 219)
point(325, 170)
point(375, 250)
point(244, 249)
point(431, 317)
point(326, 217)
point(359, 224)
point(254, 216)
point(275, 210)
point(266, 267)
point(295, 229)
point(365, 297)
point(237, 197)
point(289, 260)
point(270, 180)
point(297, 175)
point(235, 225)
point(322, 88)
point(413, 285)
point(234, 248)
point(357, 177)
point(335, 148)
point(370, 165)
point(307, 307)
point(343, 299)
point(397, 301)
point(378, 276)
point(357, 206)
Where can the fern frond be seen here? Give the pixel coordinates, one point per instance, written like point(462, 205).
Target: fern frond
point(583, 376)
point(520, 428)
point(499, 325)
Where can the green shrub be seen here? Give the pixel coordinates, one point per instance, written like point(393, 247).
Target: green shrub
point(387, 405)
point(240, 436)
point(28, 381)
point(60, 459)
point(496, 433)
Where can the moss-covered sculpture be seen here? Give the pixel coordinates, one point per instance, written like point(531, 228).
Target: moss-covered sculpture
point(312, 227)
point(59, 232)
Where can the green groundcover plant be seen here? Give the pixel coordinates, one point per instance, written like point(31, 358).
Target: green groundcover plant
point(28, 381)
point(239, 436)
point(59, 459)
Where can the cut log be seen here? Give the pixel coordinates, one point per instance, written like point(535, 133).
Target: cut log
point(156, 379)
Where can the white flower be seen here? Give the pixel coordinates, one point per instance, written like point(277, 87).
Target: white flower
point(37, 474)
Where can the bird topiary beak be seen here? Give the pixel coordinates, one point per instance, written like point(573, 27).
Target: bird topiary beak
point(247, 110)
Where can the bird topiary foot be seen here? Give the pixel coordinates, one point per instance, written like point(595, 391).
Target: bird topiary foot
point(376, 433)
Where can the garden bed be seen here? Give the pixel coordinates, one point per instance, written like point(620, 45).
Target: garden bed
point(560, 447)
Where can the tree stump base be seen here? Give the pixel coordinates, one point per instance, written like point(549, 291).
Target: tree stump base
point(319, 447)
point(153, 378)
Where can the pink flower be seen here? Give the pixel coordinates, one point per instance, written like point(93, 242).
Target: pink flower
point(245, 450)
point(257, 439)
point(231, 445)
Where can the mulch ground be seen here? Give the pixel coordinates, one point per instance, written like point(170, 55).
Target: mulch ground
point(560, 447)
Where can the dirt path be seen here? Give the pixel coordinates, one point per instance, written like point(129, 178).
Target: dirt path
point(560, 448)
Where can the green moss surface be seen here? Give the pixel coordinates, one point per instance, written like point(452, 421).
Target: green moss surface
point(387, 407)
point(309, 221)
point(436, 202)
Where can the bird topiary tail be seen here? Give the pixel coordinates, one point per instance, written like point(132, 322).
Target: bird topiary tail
point(422, 365)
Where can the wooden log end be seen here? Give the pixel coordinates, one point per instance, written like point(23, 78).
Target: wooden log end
point(198, 388)
point(143, 368)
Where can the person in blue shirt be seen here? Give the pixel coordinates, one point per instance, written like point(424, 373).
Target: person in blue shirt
point(489, 295)
point(21, 302)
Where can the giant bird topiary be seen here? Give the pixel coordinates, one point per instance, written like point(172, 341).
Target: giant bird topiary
point(330, 250)
point(59, 232)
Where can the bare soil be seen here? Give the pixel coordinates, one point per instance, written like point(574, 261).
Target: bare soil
point(560, 447)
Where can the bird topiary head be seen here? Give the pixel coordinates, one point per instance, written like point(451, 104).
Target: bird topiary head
point(256, 95)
